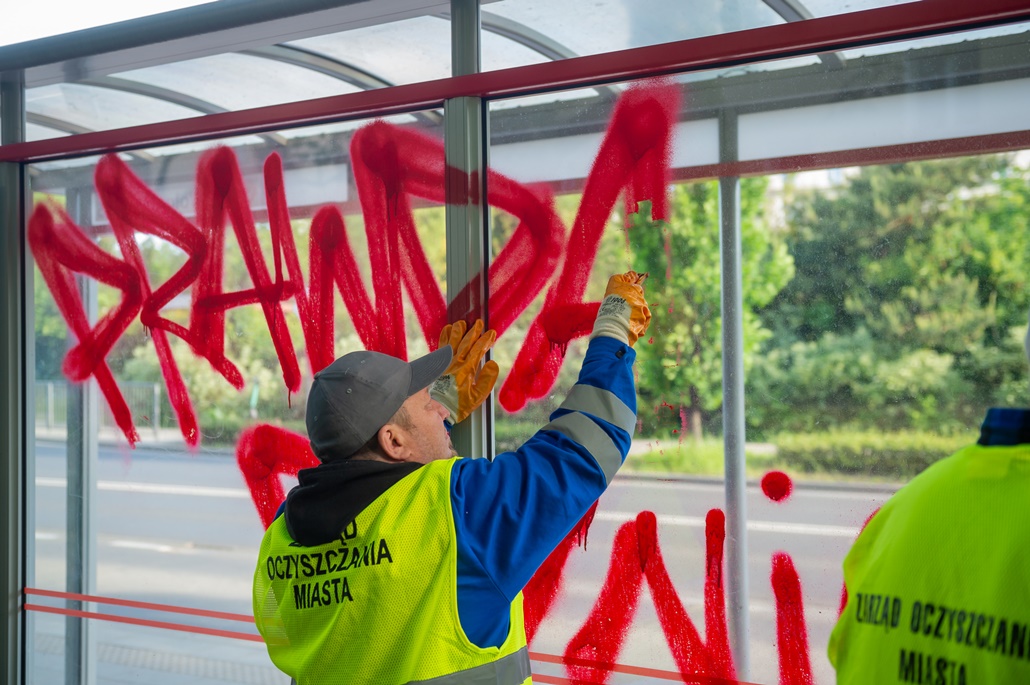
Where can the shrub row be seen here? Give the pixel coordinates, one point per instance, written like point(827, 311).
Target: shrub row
point(898, 455)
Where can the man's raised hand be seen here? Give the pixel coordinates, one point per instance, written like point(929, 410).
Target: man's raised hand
point(467, 382)
point(623, 314)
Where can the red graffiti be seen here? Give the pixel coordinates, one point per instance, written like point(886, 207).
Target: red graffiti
point(62, 249)
point(390, 165)
point(634, 155)
point(546, 584)
point(777, 486)
point(791, 631)
point(267, 452)
point(592, 653)
point(264, 454)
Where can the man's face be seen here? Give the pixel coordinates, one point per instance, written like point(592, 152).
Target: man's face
point(428, 436)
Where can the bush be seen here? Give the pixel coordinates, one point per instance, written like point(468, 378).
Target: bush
point(899, 455)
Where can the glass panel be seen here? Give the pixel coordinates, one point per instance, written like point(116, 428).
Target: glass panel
point(178, 519)
point(823, 8)
point(582, 161)
point(75, 108)
point(366, 58)
point(997, 32)
point(49, 547)
point(588, 27)
point(54, 17)
point(231, 82)
point(863, 364)
point(400, 52)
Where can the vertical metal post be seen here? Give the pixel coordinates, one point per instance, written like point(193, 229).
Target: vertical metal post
point(83, 425)
point(155, 412)
point(467, 242)
point(733, 400)
point(13, 548)
point(50, 404)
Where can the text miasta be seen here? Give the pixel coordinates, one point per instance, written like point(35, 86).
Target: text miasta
point(307, 571)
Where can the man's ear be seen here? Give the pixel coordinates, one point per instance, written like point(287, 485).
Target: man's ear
point(393, 442)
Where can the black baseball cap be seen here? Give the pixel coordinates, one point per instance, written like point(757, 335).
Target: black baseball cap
point(356, 395)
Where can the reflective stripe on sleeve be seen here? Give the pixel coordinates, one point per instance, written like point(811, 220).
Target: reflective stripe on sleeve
point(583, 430)
point(603, 404)
point(509, 670)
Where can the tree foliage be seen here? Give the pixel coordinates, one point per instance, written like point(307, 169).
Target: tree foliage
point(908, 304)
point(680, 365)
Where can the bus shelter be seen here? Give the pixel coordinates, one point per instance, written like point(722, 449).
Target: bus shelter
point(827, 196)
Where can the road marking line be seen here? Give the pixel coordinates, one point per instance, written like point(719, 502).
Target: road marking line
point(139, 544)
point(612, 516)
point(656, 484)
point(153, 488)
point(756, 526)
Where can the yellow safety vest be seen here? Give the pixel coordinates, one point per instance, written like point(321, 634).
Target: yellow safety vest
point(939, 581)
point(379, 605)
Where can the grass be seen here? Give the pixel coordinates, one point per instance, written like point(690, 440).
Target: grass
point(704, 458)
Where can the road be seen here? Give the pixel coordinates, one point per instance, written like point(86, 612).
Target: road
point(180, 529)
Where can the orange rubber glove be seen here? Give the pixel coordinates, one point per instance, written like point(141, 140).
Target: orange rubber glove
point(623, 314)
point(467, 382)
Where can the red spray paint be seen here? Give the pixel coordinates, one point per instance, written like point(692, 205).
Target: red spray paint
point(791, 631)
point(264, 454)
point(544, 587)
point(636, 555)
point(61, 250)
point(633, 155)
point(777, 486)
point(389, 164)
point(221, 199)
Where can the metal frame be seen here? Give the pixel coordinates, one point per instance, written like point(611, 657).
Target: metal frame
point(80, 496)
point(219, 19)
point(13, 466)
point(734, 465)
point(462, 96)
point(465, 151)
point(900, 22)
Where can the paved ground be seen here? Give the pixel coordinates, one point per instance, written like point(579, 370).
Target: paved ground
point(180, 529)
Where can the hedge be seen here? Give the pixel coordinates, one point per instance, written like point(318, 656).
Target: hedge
point(899, 455)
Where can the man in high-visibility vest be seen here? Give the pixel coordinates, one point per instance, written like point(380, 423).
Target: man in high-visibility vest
point(938, 582)
point(395, 561)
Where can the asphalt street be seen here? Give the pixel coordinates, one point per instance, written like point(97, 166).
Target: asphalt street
point(180, 529)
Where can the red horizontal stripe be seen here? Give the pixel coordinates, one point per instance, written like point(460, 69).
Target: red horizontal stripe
point(636, 670)
point(245, 618)
point(144, 622)
point(535, 656)
point(553, 680)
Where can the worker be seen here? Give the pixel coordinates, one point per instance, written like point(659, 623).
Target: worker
point(937, 582)
point(394, 561)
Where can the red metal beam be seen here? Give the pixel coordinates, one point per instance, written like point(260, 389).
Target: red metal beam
point(899, 22)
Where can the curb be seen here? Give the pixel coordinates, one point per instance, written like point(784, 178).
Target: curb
point(800, 483)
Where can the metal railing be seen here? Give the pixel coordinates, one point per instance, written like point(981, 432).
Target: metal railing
point(146, 401)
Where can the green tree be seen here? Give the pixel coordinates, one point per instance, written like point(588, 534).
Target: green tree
point(910, 281)
point(681, 361)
